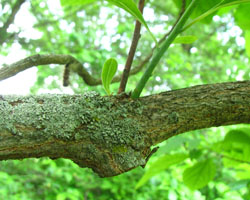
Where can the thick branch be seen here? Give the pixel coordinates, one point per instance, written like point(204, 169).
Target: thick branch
point(114, 134)
point(195, 108)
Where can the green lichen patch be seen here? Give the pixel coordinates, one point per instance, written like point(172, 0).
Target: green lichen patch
point(102, 120)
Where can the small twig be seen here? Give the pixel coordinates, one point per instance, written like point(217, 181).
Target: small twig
point(16, 7)
point(66, 75)
point(132, 50)
point(149, 156)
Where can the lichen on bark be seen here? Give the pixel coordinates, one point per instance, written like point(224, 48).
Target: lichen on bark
point(113, 134)
point(70, 117)
point(104, 129)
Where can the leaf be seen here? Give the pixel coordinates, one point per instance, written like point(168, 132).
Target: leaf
point(236, 149)
point(247, 39)
point(211, 11)
point(108, 71)
point(160, 165)
point(243, 171)
point(237, 136)
point(235, 146)
point(76, 2)
point(195, 154)
point(200, 174)
point(202, 7)
point(173, 143)
point(242, 17)
point(130, 7)
point(185, 39)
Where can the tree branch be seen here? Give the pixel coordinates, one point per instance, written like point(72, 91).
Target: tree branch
point(132, 50)
point(10, 19)
point(76, 66)
point(197, 107)
point(11, 70)
point(113, 134)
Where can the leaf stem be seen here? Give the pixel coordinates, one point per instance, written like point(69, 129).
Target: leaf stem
point(162, 49)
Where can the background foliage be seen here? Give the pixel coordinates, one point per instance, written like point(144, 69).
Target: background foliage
point(95, 32)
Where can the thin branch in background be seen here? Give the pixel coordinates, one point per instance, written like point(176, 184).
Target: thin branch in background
point(3, 30)
point(7, 71)
point(132, 50)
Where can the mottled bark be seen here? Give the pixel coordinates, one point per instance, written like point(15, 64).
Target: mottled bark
point(113, 134)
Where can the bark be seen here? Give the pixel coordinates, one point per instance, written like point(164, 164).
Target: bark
point(114, 134)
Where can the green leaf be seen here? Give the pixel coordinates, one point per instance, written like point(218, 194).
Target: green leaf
point(195, 154)
point(202, 7)
point(242, 17)
point(76, 2)
point(237, 136)
point(130, 7)
point(108, 71)
point(160, 165)
point(200, 174)
point(243, 171)
point(173, 143)
point(247, 39)
point(185, 39)
point(235, 146)
point(223, 4)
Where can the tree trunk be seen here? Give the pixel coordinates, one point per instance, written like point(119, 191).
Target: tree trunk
point(113, 134)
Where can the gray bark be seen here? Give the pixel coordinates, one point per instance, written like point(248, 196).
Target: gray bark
point(113, 134)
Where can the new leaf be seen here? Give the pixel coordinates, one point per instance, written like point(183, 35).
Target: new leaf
point(108, 71)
